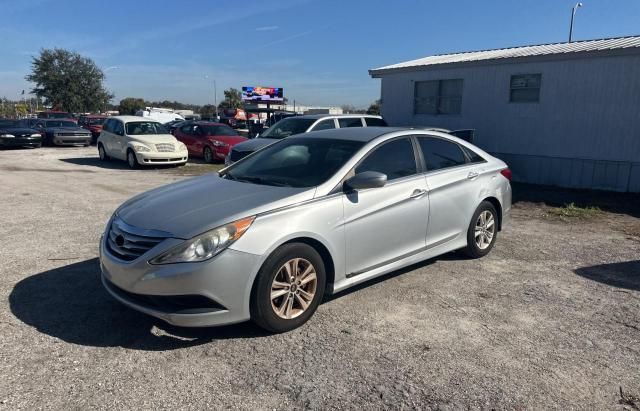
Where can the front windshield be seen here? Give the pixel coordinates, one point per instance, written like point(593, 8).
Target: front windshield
point(221, 130)
point(145, 128)
point(95, 121)
point(8, 123)
point(296, 162)
point(288, 127)
point(58, 123)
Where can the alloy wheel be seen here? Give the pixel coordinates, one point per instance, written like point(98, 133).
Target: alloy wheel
point(208, 155)
point(485, 229)
point(101, 153)
point(293, 288)
point(131, 159)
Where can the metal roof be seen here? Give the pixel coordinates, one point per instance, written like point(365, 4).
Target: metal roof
point(516, 52)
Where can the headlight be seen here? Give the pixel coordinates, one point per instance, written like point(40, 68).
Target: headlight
point(36, 135)
point(7, 135)
point(217, 143)
point(139, 148)
point(181, 147)
point(205, 246)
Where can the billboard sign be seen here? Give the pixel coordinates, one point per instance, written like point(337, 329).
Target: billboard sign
point(263, 94)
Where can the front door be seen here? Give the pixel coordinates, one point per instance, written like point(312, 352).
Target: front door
point(386, 224)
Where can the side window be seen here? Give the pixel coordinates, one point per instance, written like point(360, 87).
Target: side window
point(118, 128)
point(325, 125)
point(375, 122)
point(350, 122)
point(108, 125)
point(396, 159)
point(473, 156)
point(439, 153)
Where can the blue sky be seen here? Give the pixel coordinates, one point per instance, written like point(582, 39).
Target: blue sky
point(318, 50)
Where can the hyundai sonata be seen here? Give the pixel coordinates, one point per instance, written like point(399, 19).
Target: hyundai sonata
point(266, 238)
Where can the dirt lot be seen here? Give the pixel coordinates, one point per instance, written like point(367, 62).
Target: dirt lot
point(550, 319)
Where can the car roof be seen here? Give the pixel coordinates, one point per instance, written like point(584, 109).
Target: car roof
point(363, 134)
point(94, 116)
point(319, 116)
point(127, 119)
point(208, 123)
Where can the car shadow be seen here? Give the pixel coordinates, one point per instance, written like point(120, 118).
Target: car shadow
point(620, 203)
point(620, 275)
point(71, 304)
point(112, 165)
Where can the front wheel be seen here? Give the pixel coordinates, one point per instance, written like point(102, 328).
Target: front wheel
point(132, 161)
point(483, 231)
point(208, 155)
point(288, 288)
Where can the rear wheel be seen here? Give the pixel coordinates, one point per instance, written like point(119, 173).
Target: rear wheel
point(102, 153)
point(208, 155)
point(288, 288)
point(132, 161)
point(483, 231)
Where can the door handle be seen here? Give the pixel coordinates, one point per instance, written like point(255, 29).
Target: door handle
point(472, 175)
point(417, 193)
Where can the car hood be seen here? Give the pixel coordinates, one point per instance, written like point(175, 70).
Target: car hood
point(67, 129)
point(231, 140)
point(18, 130)
point(154, 138)
point(255, 144)
point(190, 207)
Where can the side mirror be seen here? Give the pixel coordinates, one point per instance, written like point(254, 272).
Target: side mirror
point(364, 180)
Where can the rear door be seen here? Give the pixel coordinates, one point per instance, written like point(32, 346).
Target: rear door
point(389, 223)
point(185, 134)
point(119, 140)
point(453, 188)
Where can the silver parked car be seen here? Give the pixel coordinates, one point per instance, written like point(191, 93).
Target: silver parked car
point(311, 215)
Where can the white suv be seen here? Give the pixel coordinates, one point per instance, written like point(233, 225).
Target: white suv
point(139, 141)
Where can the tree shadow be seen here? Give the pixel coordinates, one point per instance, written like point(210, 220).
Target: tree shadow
point(621, 203)
point(71, 304)
point(620, 275)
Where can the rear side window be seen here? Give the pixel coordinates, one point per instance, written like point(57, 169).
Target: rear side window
point(349, 122)
point(325, 125)
point(473, 156)
point(396, 159)
point(375, 122)
point(118, 128)
point(107, 125)
point(439, 153)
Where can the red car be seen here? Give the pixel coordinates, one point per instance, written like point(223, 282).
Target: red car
point(212, 141)
point(92, 123)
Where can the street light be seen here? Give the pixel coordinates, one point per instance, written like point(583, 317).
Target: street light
point(573, 15)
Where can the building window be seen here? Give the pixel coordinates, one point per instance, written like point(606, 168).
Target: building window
point(525, 88)
point(438, 97)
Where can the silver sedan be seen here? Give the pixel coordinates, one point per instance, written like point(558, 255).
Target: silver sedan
point(266, 238)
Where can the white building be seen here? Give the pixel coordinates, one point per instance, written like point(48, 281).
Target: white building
point(565, 114)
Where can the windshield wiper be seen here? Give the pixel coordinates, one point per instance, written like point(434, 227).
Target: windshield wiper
point(260, 180)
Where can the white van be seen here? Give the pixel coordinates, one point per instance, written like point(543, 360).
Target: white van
point(139, 141)
point(161, 115)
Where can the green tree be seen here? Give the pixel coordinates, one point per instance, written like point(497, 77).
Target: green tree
point(232, 99)
point(66, 80)
point(129, 105)
point(207, 111)
point(374, 108)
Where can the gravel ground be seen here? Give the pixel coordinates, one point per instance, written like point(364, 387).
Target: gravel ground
point(550, 319)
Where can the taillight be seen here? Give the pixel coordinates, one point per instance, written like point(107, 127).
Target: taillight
point(506, 173)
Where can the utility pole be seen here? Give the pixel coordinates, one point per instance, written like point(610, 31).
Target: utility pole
point(573, 15)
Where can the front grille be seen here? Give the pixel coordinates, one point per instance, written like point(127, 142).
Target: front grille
point(236, 155)
point(72, 134)
point(165, 148)
point(132, 245)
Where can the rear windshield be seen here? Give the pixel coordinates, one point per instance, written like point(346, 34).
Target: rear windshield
point(94, 121)
point(59, 123)
point(142, 128)
point(288, 127)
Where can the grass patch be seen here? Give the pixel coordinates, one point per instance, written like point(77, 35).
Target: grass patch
point(573, 211)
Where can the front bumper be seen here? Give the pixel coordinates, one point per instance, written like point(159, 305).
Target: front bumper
point(21, 142)
point(148, 158)
point(71, 140)
point(225, 280)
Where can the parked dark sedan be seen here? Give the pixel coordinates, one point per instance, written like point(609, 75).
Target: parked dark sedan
point(62, 132)
point(12, 134)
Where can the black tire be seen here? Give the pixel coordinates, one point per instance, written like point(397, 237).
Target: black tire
point(132, 161)
point(473, 249)
point(207, 154)
point(102, 153)
point(262, 311)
